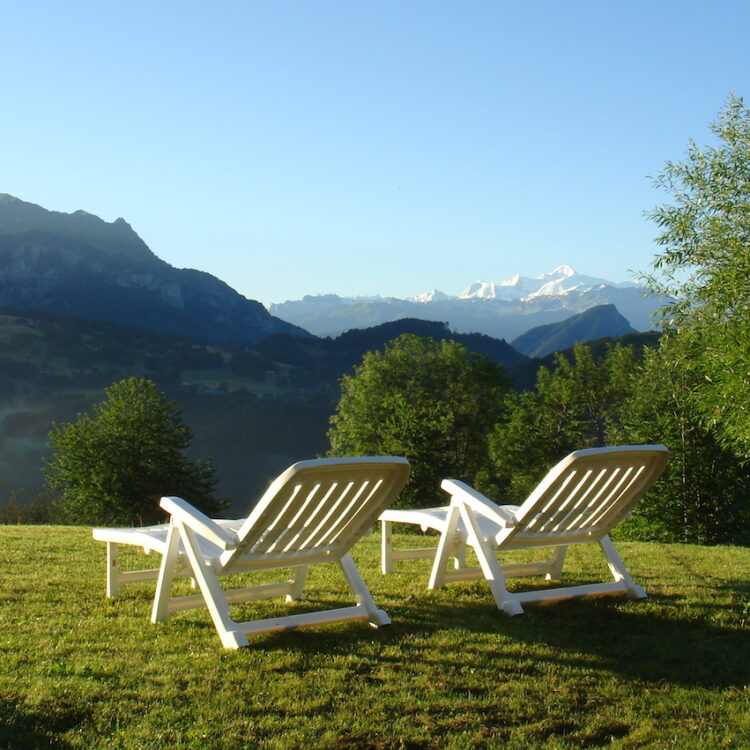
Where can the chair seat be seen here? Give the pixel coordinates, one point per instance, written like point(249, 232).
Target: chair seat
point(437, 519)
point(154, 538)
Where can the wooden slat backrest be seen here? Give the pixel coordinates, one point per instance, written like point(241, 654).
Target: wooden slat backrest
point(590, 491)
point(321, 506)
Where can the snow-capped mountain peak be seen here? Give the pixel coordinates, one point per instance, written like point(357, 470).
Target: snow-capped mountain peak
point(480, 290)
point(560, 271)
point(433, 296)
point(562, 280)
point(512, 281)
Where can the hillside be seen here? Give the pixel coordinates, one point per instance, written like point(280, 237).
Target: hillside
point(53, 367)
point(323, 361)
point(78, 264)
point(254, 411)
point(523, 376)
point(595, 323)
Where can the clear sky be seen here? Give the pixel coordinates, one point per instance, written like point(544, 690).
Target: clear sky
point(298, 147)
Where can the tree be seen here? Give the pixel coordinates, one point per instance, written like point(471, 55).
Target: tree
point(112, 468)
point(705, 265)
point(431, 401)
point(572, 407)
point(704, 494)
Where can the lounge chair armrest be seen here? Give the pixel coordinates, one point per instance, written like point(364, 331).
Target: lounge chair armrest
point(478, 502)
point(181, 510)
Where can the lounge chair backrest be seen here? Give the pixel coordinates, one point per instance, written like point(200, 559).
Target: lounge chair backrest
point(589, 492)
point(319, 508)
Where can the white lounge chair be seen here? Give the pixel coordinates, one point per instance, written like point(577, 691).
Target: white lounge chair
point(314, 512)
point(580, 500)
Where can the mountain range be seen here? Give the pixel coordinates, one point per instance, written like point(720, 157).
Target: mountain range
point(562, 280)
point(503, 310)
point(78, 264)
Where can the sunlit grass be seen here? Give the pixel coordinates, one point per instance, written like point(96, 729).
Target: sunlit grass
point(78, 670)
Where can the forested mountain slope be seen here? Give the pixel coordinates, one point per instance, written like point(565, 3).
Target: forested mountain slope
point(78, 264)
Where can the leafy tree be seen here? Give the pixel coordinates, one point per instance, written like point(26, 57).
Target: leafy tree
point(112, 468)
point(705, 264)
point(431, 401)
point(704, 495)
point(572, 407)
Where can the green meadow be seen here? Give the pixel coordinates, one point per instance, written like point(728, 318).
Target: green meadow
point(81, 671)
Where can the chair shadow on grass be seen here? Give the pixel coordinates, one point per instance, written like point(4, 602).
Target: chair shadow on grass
point(632, 640)
point(26, 730)
point(629, 639)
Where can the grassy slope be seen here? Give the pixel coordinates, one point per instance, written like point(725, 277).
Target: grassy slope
point(78, 670)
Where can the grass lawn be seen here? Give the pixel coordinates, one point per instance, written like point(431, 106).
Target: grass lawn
point(80, 671)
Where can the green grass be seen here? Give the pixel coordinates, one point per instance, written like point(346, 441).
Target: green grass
point(78, 670)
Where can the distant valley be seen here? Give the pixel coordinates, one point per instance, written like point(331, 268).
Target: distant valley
point(253, 410)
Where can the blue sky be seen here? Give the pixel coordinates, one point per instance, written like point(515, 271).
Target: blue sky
point(389, 148)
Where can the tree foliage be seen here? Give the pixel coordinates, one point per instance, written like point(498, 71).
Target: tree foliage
point(113, 467)
point(431, 401)
point(705, 264)
point(704, 495)
point(571, 408)
point(587, 401)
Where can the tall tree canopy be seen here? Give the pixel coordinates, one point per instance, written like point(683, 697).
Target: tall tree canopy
point(572, 407)
point(585, 401)
point(705, 265)
point(433, 402)
point(112, 468)
point(704, 495)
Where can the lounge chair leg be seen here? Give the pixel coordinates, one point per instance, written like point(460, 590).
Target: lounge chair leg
point(556, 564)
point(386, 548)
point(160, 610)
point(493, 572)
point(377, 616)
point(459, 552)
point(233, 639)
point(213, 594)
point(299, 575)
point(113, 570)
point(618, 569)
point(445, 545)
